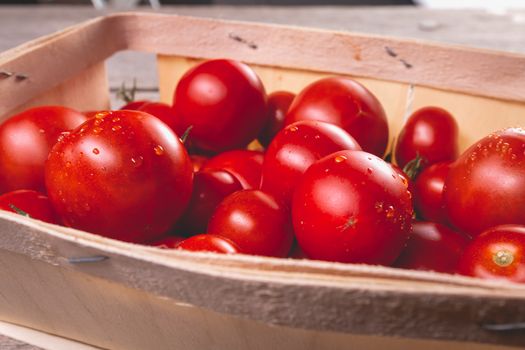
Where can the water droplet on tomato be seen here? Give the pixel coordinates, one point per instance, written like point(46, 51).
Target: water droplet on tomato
point(100, 115)
point(68, 164)
point(339, 159)
point(159, 150)
point(96, 151)
point(369, 170)
point(42, 131)
point(137, 161)
point(317, 137)
point(97, 130)
point(379, 207)
point(115, 119)
point(116, 127)
point(390, 212)
point(294, 128)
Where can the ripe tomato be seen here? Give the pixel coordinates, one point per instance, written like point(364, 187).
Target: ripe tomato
point(352, 207)
point(210, 187)
point(245, 165)
point(498, 253)
point(294, 149)
point(428, 192)
point(209, 243)
point(123, 175)
point(164, 112)
point(169, 242)
point(25, 142)
point(347, 104)
point(224, 101)
point(433, 247)
point(485, 186)
point(255, 221)
point(431, 132)
point(278, 104)
point(29, 203)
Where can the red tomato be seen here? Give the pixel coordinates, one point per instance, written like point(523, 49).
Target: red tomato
point(485, 186)
point(347, 104)
point(134, 105)
point(164, 112)
point(210, 187)
point(498, 253)
point(278, 104)
point(405, 178)
point(198, 161)
point(352, 207)
point(255, 221)
point(224, 101)
point(170, 242)
point(294, 149)
point(245, 165)
point(433, 247)
point(428, 192)
point(123, 175)
point(209, 243)
point(25, 142)
point(29, 203)
point(431, 132)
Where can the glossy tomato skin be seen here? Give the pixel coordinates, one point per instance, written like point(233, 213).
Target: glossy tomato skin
point(25, 142)
point(498, 253)
point(33, 203)
point(428, 192)
point(347, 104)
point(210, 187)
point(431, 132)
point(209, 243)
point(294, 149)
point(224, 101)
point(278, 104)
point(485, 186)
point(164, 112)
point(255, 221)
point(123, 175)
point(352, 207)
point(245, 165)
point(432, 247)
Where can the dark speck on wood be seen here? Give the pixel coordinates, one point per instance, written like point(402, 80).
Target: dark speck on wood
point(390, 52)
point(242, 40)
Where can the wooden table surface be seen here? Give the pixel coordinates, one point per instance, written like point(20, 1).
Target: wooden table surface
point(495, 30)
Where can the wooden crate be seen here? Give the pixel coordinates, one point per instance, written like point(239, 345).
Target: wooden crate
point(140, 297)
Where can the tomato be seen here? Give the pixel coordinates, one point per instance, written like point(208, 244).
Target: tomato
point(224, 101)
point(198, 161)
point(428, 192)
point(245, 165)
point(405, 178)
point(123, 175)
point(255, 221)
point(209, 243)
point(278, 104)
point(294, 149)
point(164, 112)
point(25, 142)
point(169, 242)
point(485, 186)
point(29, 203)
point(431, 132)
point(210, 187)
point(433, 247)
point(347, 104)
point(498, 253)
point(134, 105)
point(352, 207)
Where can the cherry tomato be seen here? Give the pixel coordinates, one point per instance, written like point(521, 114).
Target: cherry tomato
point(25, 142)
point(134, 105)
point(347, 104)
point(245, 165)
point(278, 104)
point(255, 221)
point(209, 243)
point(224, 101)
point(428, 192)
point(210, 187)
point(498, 253)
point(29, 203)
point(164, 112)
point(431, 132)
point(485, 186)
point(123, 175)
point(352, 207)
point(433, 247)
point(294, 149)
point(170, 242)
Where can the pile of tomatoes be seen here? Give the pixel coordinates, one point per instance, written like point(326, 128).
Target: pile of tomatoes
point(227, 168)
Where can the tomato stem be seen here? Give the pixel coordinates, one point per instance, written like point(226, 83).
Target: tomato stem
point(125, 94)
point(414, 167)
point(18, 210)
point(185, 135)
